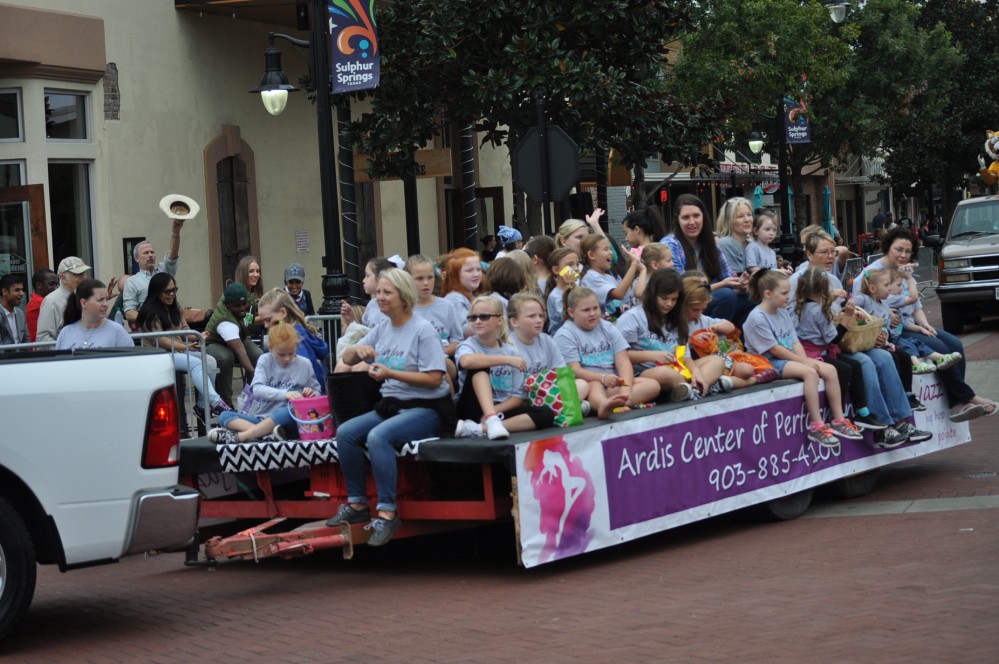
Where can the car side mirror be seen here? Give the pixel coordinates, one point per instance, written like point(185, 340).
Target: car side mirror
point(932, 241)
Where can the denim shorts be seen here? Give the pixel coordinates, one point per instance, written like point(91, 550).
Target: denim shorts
point(779, 365)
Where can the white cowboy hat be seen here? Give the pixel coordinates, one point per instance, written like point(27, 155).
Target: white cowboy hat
point(178, 206)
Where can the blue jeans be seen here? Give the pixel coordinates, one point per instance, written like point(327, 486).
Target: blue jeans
point(190, 364)
point(885, 394)
point(280, 416)
point(955, 388)
point(731, 305)
point(914, 347)
point(383, 437)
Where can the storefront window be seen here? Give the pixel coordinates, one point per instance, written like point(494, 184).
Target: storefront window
point(10, 115)
point(69, 203)
point(66, 116)
point(11, 173)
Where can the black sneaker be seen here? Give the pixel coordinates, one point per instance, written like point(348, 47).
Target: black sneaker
point(383, 529)
point(223, 436)
point(889, 439)
point(914, 403)
point(347, 514)
point(276, 435)
point(220, 408)
point(869, 422)
point(914, 435)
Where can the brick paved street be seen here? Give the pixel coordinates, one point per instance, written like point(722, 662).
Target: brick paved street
point(919, 586)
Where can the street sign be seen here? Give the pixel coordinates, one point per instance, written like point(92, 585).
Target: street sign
point(430, 163)
point(563, 164)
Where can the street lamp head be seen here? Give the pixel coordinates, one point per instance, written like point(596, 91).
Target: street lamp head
point(755, 142)
point(837, 10)
point(274, 86)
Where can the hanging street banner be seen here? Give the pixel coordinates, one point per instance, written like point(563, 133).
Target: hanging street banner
point(796, 123)
point(355, 58)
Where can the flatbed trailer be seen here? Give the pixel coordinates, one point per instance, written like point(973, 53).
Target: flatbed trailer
point(568, 491)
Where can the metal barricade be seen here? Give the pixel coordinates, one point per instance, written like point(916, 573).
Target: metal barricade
point(852, 269)
point(34, 345)
point(190, 395)
point(924, 272)
point(329, 325)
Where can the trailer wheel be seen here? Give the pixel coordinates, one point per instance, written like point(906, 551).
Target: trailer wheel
point(857, 485)
point(788, 507)
point(17, 568)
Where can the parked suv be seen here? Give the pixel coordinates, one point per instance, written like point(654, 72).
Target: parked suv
point(969, 264)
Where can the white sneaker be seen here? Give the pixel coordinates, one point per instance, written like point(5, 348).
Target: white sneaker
point(681, 392)
point(584, 407)
point(468, 429)
point(495, 429)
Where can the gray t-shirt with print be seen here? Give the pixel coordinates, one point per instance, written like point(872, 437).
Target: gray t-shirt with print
point(413, 346)
point(506, 380)
point(634, 327)
point(593, 349)
point(445, 318)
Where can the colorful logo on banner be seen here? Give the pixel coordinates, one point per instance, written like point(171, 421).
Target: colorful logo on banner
point(796, 123)
point(355, 45)
point(565, 493)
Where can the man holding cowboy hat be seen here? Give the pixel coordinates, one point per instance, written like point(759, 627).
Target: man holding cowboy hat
point(180, 209)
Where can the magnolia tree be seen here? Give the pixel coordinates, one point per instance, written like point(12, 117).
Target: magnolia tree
point(602, 67)
point(871, 85)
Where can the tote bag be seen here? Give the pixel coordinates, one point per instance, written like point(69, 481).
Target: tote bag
point(556, 390)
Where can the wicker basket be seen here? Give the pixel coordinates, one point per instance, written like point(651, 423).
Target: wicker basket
point(860, 335)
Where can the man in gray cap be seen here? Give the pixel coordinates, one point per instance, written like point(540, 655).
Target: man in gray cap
point(71, 272)
point(294, 281)
point(228, 341)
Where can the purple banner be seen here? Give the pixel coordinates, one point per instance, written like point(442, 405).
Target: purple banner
point(356, 64)
point(670, 469)
point(796, 122)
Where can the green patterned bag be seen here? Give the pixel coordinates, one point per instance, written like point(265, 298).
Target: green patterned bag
point(556, 390)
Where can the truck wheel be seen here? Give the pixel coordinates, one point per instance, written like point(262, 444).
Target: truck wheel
point(788, 507)
point(17, 568)
point(953, 317)
point(857, 485)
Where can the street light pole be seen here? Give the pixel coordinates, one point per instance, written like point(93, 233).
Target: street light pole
point(274, 88)
point(335, 287)
point(785, 207)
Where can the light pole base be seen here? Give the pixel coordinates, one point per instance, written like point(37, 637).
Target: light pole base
point(335, 291)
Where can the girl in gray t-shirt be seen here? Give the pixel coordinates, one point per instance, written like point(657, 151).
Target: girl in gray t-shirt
point(491, 391)
point(598, 354)
point(446, 318)
point(770, 331)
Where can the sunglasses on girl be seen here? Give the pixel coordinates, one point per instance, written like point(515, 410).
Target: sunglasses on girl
point(483, 317)
point(170, 291)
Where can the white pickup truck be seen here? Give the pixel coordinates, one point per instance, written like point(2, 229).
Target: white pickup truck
point(88, 464)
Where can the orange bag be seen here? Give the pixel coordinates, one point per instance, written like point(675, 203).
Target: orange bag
point(705, 342)
point(758, 362)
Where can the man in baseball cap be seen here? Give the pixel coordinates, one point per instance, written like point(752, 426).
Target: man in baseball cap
point(294, 281)
point(227, 339)
point(71, 271)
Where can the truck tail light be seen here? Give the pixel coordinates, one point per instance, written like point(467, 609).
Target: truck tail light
point(162, 445)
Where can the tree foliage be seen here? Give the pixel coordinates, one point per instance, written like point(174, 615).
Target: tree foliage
point(877, 84)
point(601, 64)
point(943, 148)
